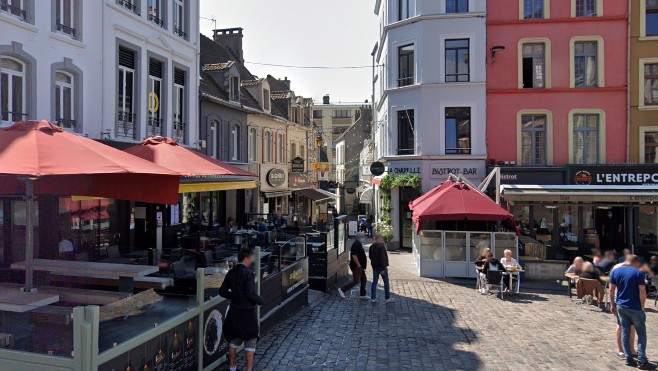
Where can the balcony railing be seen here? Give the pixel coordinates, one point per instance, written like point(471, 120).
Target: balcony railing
point(66, 123)
point(128, 4)
point(153, 18)
point(66, 29)
point(126, 125)
point(179, 132)
point(154, 127)
point(13, 9)
point(7, 117)
point(180, 32)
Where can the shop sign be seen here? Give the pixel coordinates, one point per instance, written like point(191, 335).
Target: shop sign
point(294, 278)
point(399, 170)
point(467, 169)
point(298, 181)
point(613, 175)
point(377, 168)
point(297, 165)
point(350, 190)
point(531, 175)
point(214, 344)
point(365, 170)
point(321, 166)
point(276, 177)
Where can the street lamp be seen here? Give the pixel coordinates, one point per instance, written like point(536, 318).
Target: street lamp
point(319, 141)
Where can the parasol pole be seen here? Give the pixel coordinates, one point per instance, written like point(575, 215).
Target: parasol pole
point(29, 233)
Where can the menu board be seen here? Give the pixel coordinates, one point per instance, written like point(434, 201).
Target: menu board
point(174, 350)
point(214, 344)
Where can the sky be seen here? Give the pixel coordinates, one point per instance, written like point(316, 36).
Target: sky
point(304, 33)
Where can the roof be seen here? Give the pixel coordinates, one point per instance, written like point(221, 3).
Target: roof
point(251, 82)
point(282, 94)
point(217, 66)
point(213, 53)
point(209, 86)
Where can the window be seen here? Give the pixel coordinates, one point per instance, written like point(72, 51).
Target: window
point(533, 9)
point(64, 14)
point(64, 100)
point(458, 131)
point(179, 124)
point(252, 145)
point(235, 142)
point(266, 99)
point(317, 114)
point(586, 139)
point(14, 7)
point(650, 147)
point(125, 96)
point(302, 152)
point(586, 8)
point(267, 155)
point(457, 55)
point(534, 56)
point(156, 12)
point(585, 64)
point(338, 130)
point(179, 18)
point(280, 146)
point(533, 139)
point(651, 84)
point(154, 125)
point(235, 88)
point(214, 133)
point(342, 113)
point(651, 18)
point(406, 65)
point(456, 6)
point(293, 150)
point(406, 132)
point(403, 9)
point(13, 90)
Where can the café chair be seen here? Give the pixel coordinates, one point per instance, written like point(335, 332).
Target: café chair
point(495, 279)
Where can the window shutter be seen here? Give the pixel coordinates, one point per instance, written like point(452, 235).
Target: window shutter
point(179, 77)
point(155, 68)
point(126, 58)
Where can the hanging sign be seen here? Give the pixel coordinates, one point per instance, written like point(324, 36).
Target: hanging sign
point(377, 168)
point(297, 165)
point(153, 102)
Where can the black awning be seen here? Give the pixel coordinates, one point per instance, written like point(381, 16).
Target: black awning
point(315, 194)
point(274, 194)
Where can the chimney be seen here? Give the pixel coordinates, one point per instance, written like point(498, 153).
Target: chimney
point(230, 38)
point(325, 99)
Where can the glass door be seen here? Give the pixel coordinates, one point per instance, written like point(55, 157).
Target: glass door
point(456, 255)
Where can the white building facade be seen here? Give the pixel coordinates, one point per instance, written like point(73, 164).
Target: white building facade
point(430, 95)
point(117, 70)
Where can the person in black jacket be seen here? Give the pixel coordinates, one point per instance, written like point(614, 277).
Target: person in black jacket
point(358, 264)
point(241, 324)
point(379, 263)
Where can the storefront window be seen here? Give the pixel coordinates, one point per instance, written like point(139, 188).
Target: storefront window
point(569, 224)
point(648, 225)
point(190, 207)
point(522, 216)
point(84, 225)
point(543, 221)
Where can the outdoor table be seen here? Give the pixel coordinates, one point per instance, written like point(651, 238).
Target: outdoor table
point(137, 254)
point(570, 276)
point(653, 252)
point(21, 302)
point(119, 260)
point(126, 272)
point(511, 273)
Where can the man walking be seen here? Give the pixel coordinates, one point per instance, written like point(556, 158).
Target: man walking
point(379, 262)
point(241, 324)
point(630, 284)
point(358, 263)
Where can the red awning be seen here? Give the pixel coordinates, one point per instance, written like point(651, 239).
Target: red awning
point(457, 201)
point(62, 163)
point(167, 153)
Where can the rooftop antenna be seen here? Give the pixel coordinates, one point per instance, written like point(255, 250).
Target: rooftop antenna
point(212, 19)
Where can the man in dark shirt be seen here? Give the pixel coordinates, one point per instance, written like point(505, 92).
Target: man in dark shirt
point(358, 263)
point(629, 283)
point(379, 262)
point(241, 324)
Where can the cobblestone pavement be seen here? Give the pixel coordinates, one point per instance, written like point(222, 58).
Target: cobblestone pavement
point(439, 325)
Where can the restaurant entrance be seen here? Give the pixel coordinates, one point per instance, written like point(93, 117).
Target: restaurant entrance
point(611, 227)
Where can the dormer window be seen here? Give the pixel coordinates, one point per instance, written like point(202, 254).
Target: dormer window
point(266, 99)
point(235, 88)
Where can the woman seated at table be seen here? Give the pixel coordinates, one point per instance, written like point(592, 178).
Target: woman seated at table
point(591, 273)
point(576, 267)
point(231, 226)
point(484, 257)
point(509, 261)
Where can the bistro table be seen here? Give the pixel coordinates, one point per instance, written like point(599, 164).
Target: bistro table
point(570, 277)
point(21, 302)
point(511, 273)
point(125, 272)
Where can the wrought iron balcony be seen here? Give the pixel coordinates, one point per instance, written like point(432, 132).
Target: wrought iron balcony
point(66, 29)
point(5, 6)
point(179, 132)
point(66, 123)
point(126, 125)
point(153, 18)
point(154, 127)
point(9, 116)
point(180, 32)
point(128, 4)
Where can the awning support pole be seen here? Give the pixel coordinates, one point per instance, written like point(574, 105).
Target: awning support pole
point(29, 233)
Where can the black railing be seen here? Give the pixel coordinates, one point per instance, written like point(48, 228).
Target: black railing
point(66, 29)
point(154, 127)
point(179, 132)
point(126, 124)
point(12, 9)
point(180, 32)
point(10, 116)
point(128, 4)
point(66, 123)
point(156, 20)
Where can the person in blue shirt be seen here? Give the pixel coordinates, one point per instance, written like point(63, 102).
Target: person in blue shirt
point(630, 286)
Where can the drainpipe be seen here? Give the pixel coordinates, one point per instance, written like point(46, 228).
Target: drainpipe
point(628, 84)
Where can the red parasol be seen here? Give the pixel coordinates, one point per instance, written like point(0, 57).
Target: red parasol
point(457, 201)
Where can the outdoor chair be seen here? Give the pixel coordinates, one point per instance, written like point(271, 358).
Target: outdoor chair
point(495, 279)
point(588, 288)
point(654, 284)
point(113, 251)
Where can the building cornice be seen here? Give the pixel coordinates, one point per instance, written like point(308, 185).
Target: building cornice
point(606, 89)
point(557, 20)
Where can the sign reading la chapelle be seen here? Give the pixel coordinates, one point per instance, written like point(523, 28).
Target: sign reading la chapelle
point(613, 175)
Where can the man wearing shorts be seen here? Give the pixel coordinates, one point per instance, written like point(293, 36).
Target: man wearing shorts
point(241, 324)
